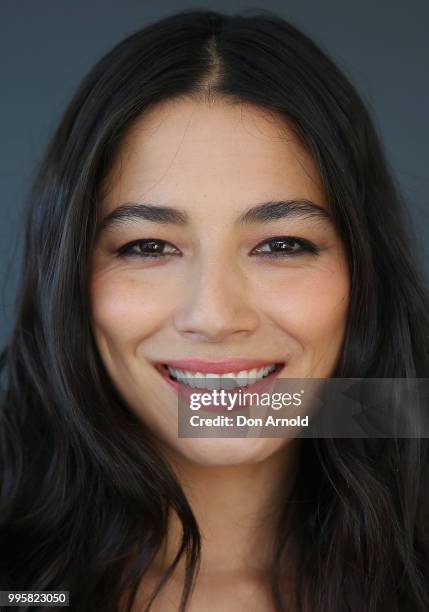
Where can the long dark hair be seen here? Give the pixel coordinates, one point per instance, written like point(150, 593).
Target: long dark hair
point(85, 497)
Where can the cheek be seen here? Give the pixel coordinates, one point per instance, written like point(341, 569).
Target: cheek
point(310, 304)
point(126, 309)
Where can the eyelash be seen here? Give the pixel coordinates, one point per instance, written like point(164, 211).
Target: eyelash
point(305, 246)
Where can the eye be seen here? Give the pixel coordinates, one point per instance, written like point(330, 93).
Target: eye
point(147, 249)
point(285, 246)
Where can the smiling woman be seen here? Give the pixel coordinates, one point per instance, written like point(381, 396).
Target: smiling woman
point(215, 204)
point(217, 279)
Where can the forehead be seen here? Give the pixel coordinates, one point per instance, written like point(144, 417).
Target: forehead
point(189, 153)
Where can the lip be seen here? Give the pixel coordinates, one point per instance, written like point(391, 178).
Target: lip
point(218, 366)
point(185, 391)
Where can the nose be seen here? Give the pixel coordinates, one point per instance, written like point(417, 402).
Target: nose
point(216, 303)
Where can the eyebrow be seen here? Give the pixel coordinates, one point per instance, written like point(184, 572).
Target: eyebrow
point(281, 209)
point(263, 212)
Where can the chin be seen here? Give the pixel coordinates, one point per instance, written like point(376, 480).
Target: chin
point(226, 451)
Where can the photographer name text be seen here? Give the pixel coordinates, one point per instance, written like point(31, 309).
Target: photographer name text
point(241, 420)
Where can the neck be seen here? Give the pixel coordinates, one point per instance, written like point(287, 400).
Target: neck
point(236, 507)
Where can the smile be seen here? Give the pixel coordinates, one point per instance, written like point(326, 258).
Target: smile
point(215, 375)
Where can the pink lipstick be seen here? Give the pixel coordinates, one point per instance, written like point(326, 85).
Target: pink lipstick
point(219, 367)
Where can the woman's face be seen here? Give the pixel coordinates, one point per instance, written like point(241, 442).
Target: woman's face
point(207, 281)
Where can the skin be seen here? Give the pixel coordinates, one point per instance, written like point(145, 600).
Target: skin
point(214, 298)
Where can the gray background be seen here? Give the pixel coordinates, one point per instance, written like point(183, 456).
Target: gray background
point(47, 46)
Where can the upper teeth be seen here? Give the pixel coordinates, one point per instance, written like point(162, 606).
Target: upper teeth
point(200, 380)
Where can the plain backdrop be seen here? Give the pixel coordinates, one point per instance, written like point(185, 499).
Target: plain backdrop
point(46, 47)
